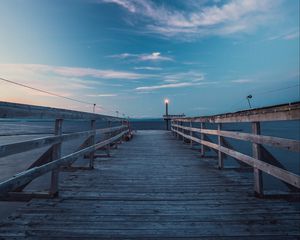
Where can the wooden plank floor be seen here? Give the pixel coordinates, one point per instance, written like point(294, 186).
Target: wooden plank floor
point(155, 187)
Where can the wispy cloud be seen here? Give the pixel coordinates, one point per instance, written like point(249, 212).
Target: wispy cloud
point(148, 68)
point(170, 85)
point(220, 18)
point(294, 34)
point(190, 76)
point(242, 80)
point(155, 56)
point(176, 80)
point(102, 95)
point(291, 36)
point(74, 71)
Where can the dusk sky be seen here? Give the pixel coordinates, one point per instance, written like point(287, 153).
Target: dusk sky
point(129, 55)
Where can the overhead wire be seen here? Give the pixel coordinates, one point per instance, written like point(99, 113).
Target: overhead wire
point(264, 92)
point(95, 105)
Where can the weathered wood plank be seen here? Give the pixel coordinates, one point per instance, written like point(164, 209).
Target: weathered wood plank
point(288, 144)
point(18, 147)
point(154, 187)
point(17, 110)
point(279, 173)
point(27, 176)
point(283, 112)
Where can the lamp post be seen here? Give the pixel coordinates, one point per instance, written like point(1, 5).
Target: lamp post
point(248, 98)
point(167, 113)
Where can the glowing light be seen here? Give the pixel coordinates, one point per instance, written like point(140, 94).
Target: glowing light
point(166, 101)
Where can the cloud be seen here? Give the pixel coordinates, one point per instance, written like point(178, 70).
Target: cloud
point(148, 68)
point(123, 3)
point(103, 95)
point(242, 80)
point(155, 56)
point(74, 71)
point(291, 36)
point(197, 20)
point(171, 85)
point(190, 76)
point(285, 36)
point(68, 82)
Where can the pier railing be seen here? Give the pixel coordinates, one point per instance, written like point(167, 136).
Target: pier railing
point(261, 160)
point(52, 160)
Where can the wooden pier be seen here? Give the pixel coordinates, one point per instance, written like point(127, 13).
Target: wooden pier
point(159, 185)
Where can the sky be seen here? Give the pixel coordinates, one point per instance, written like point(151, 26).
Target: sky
point(206, 57)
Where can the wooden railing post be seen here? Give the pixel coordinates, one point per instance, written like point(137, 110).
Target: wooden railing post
point(202, 148)
point(177, 128)
point(220, 154)
point(92, 142)
point(108, 135)
point(178, 135)
point(56, 154)
point(256, 149)
point(191, 133)
point(182, 130)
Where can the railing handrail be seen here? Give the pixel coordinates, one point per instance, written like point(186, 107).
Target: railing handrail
point(23, 146)
point(51, 159)
point(283, 112)
point(26, 176)
point(284, 143)
point(17, 110)
point(277, 172)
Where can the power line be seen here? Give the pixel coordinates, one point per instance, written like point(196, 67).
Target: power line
point(58, 95)
point(43, 91)
point(264, 92)
point(278, 89)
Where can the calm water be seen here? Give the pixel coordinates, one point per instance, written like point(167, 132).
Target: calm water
point(290, 160)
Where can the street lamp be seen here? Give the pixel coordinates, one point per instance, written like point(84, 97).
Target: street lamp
point(167, 113)
point(167, 106)
point(248, 99)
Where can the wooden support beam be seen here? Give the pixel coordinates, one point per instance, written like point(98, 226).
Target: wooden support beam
point(269, 158)
point(182, 129)
point(108, 135)
point(258, 179)
point(191, 133)
point(101, 156)
point(220, 154)
point(207, 149)
point(43, 159)
point(25, 196)
point(228, 145)
point(91, 143)
point(272, 170)
point(28, 175)
point(74, 168)
point(202, 148)
point(178, 129)
point(56, 154)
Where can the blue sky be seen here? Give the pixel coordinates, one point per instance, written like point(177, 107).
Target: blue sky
point(129, 55)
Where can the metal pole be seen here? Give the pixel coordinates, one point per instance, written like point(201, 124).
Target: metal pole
point(167, 114)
